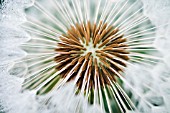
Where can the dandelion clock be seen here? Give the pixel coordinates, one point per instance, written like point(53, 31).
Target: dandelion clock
point(84, 56)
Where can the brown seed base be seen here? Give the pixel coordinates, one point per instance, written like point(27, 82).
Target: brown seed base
point(86, 67)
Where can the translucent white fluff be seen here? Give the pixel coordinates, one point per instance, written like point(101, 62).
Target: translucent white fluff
point(153, 84)
point(11, 96)
point(16, 101)
point(152, 89)
point(10, 39)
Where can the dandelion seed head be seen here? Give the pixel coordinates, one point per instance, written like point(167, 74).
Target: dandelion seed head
point(90, 47)
point(84, 55)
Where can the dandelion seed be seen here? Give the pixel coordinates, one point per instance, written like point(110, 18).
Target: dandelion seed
point(90, 45)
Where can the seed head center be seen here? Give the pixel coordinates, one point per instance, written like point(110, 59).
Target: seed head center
point(88, 51)
point(90, 48)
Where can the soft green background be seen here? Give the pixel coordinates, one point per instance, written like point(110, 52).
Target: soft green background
point(1, 1)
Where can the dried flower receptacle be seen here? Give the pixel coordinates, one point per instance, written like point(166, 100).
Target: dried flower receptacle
point(91, 48)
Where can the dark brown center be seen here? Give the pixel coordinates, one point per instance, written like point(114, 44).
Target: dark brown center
point(90, 52)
